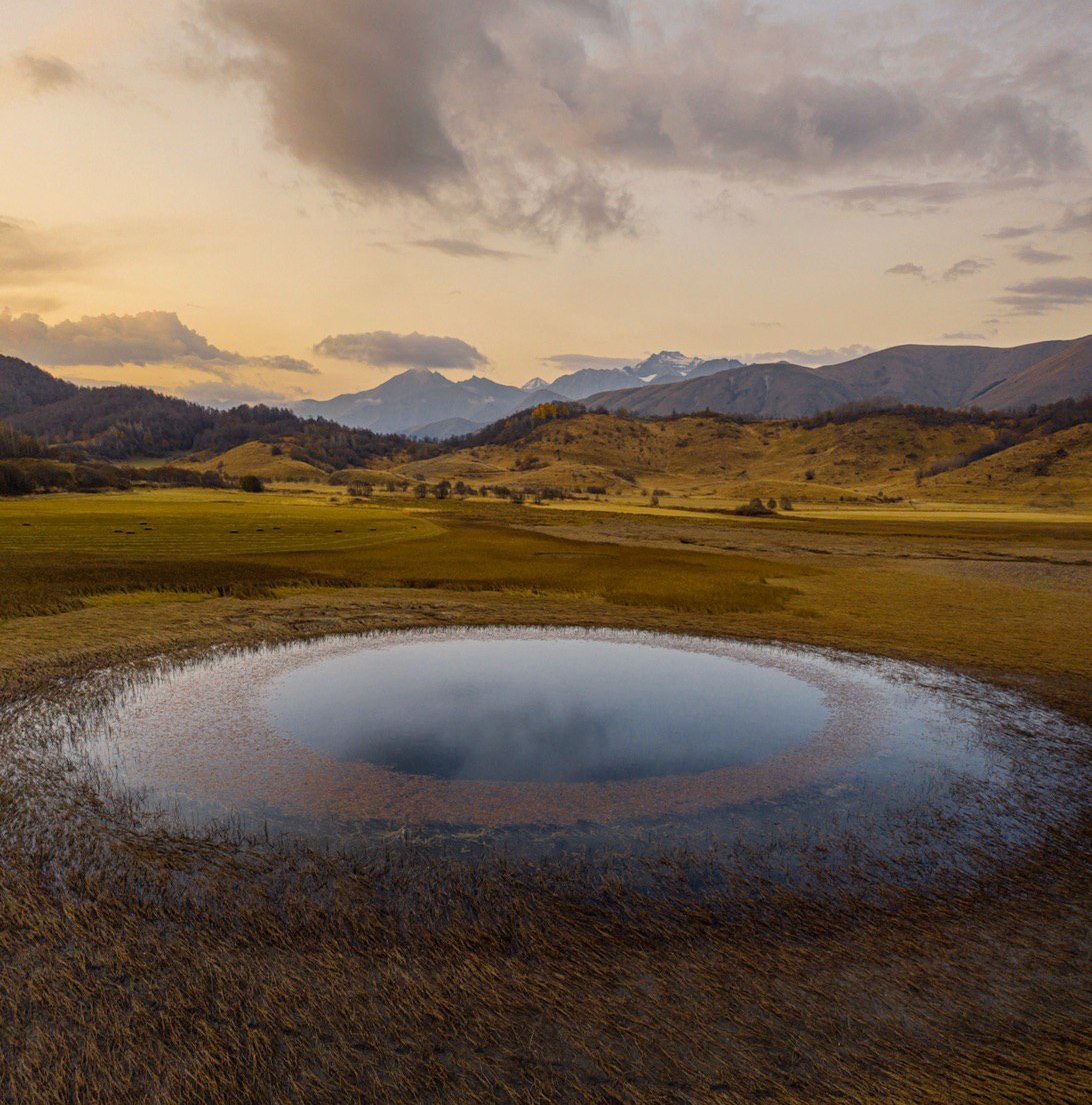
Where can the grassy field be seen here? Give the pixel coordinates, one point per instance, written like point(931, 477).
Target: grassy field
point(722, 462)
point(139, 965)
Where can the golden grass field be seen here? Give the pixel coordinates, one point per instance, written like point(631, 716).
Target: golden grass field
point(716, 460)
point(138, 964)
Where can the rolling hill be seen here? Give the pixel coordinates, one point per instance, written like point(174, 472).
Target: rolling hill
point(1060, 376)
point(907, 453)
point(122, 423)
point(758, 391)
point(940, 375)
point(24, 386)
point(930, 375)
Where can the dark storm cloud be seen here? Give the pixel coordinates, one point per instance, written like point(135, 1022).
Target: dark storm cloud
point(1034, 256)
point(47, 74)
point(534, 114)
point(1037, 297)
point(382, 349)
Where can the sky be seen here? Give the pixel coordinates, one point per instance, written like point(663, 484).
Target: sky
point(261, 200)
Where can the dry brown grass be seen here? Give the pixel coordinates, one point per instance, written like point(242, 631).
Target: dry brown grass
point(139, 965)
point(713, 459)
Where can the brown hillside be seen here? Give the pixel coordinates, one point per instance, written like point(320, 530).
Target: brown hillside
point(704, 457)
point(1066, 374)
point(758, 391)
point(937, 375)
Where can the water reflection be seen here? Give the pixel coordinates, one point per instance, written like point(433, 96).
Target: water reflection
point(547, 742)
point(543, 710)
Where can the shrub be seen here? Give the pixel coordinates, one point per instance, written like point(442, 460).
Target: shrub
point(14, 481)
point(251, 484)
point(756, 508)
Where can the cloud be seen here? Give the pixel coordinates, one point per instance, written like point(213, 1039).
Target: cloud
point(573, 362)
point(907, 268)
point(915, 198)
point(1037, 297)
point(538, 116)
point(226, 394)
point(148, 338)
point(810, 358)
point(44, 73)
point(285, 364)
point(1077, 217)
point(29, 256)
point(382, 349)
point(456, 247)
point(963, 335)
point(1035, 256)
point(151, 337)
point(1008, 232)
point(969, 266)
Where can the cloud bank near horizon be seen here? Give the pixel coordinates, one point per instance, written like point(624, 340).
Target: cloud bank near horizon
point(383, 349)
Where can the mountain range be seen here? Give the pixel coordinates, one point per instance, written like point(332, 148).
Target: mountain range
point(425, 404)
point(122, 421)
point(947, 376)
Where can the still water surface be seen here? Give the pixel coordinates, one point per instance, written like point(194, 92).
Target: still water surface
point(544, 741)
point(543, 710)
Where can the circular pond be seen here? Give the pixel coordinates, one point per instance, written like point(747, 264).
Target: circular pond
point(542, 709)
point(547, 739)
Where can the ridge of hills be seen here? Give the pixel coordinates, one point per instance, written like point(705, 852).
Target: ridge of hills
point(122, 422)
point(949, 376)
point(562, 449)
point(422, 403)
point(1038, 459)
point(425, 404)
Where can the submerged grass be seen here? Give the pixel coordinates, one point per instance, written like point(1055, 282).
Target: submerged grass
point(138, 964)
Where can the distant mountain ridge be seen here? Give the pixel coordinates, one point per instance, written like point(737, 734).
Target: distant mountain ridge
point(423, 403)
point(121, 422)
point(426, 404)
point(127, 421)
point(947, 376)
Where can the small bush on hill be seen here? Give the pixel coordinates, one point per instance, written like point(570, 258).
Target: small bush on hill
point(756, 508)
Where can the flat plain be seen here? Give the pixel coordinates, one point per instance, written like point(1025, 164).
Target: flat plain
point(142, 963)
